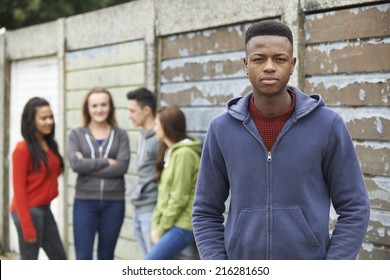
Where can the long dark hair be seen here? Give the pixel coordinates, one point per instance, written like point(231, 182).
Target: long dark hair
point(173, 123)
point(111, 115)
point(28, 133)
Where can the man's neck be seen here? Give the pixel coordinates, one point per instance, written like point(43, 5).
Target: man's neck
point(273, 105)
point(148, 124)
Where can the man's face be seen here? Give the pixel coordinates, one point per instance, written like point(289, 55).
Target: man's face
point(137, 114)
point(269, 62)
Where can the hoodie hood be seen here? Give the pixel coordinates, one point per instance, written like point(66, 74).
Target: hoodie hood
point(238, 107)
point(193, 144)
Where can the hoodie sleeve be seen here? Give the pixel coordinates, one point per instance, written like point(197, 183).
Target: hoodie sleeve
point(122, 159)
point(348, 194)
point(84, 165)
point(212, 190)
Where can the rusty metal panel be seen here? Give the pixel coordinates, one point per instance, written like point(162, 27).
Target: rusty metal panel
point(201, 71)
point(209, 93)
point(378, 231)
point(347, 61)
point(205, 67)
point(362, 22)
point(378, 188)
point(371, 251)
point(370, 128)
point(345, 57)
point(204, 42)
point(198, 118)
point(374, 158)
point(366, 123)
point(352, 90)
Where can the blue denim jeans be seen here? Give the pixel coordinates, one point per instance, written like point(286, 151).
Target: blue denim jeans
point(170, 244)
point(142, 229)
point(48, 237)
point(97, 216)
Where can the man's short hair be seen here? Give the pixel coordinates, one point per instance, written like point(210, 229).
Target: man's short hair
point(268, 27)
point(144, 97)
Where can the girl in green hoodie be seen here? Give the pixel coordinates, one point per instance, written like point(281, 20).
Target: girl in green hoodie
point(178, 165)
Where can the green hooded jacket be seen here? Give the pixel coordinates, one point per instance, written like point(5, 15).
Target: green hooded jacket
point(177, 187)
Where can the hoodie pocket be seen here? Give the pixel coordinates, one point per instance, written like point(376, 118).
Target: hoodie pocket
point(246, 239)
point(293, 237)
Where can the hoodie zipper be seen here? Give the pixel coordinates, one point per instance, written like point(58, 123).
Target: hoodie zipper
point(269, 160)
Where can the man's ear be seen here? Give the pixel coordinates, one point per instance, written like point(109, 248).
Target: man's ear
point(147, 110)
point(245, 62)
point(293, 62)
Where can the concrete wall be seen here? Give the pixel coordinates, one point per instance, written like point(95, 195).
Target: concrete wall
point(189, 53)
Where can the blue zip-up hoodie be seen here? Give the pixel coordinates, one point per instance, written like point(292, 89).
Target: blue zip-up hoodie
point(280, 199)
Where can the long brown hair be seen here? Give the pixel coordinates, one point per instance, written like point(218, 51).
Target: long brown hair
point(173, 123)
point(111, 115)
point(28, 130)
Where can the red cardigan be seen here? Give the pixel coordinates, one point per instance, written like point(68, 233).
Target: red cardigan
point(32, 188)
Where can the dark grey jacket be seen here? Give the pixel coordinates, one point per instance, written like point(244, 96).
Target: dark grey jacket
point(96, 178)
point(144, 195)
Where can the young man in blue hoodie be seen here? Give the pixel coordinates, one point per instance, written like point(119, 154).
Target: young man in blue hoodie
point(283, 158)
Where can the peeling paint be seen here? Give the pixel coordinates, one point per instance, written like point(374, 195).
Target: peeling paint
point(383, 8)
point(342, 80)
point(362, 94)
point(209, 90)
point(183, 52)
point(208, 33)
point(374, 145)
point(380, 217)
point(385, 97)
point(369, 247)
point(351, 114)
point(236, 28)
point(328, 47)
point(191, 35)
point(355, 11)
point(382, 182)
point(380, 195)
point(379, 41)
point(379, 125)
point(172, 38)
point(202, 59)
point(321, 15)
point(381, 231)
point(307, 36)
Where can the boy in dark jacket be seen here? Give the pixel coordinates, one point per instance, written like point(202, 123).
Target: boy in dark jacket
point(284, 158)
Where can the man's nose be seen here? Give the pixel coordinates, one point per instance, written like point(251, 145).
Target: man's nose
point(269, 65)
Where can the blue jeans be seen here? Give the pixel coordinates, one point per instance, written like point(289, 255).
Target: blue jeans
point(97, 216)
point(48, 236)
point(142, 229)
point(170, 244)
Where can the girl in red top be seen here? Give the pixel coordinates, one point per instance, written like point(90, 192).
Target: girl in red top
point(37, 164)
